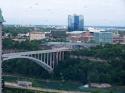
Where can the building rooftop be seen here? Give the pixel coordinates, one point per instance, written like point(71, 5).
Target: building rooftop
point(95, 29)
point(76, 32)
point(36, 32)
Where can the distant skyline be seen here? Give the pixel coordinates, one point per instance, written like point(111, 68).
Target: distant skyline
point(55, 12)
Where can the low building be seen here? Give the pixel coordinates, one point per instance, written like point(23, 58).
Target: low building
point(19, 40)
point(91, 29)
point(103, 37)
point(75, 36)
point(80, 36)
point(118, 39)
point(87, 37)
point(58, 34)
point(36, 35)
point(20, 35)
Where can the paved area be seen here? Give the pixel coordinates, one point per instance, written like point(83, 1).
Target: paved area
point(14, 85)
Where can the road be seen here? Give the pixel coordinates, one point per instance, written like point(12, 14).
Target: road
point(14, 85)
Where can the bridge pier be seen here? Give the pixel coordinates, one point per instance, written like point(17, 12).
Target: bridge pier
point(57, 59)
point(62, 55)
point(44, 57)
point(47, 58)
point(39, 56)
point(51, 59)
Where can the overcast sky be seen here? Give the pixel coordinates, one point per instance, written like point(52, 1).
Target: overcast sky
point(96, 12)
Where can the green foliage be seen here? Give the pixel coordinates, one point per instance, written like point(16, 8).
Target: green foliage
point(16, 30)
point(105, 52)
point(25, 67)
point(9, 90)
point(86, 71)
point(25, 45)
point(9, 44)
point(15, 90)
point(96, 92)
point(83, 71)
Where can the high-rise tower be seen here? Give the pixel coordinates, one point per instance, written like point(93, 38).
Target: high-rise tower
point(75, 23)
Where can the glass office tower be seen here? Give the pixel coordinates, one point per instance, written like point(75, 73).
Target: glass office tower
point(75, 23)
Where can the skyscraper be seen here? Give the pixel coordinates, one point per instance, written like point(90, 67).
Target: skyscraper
point(75, 23)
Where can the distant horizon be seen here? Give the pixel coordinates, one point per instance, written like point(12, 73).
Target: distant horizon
point(64, 25)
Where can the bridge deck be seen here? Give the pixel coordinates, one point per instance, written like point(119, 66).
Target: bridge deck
point(36, 52)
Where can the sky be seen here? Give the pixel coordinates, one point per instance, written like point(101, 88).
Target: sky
point(55, 12)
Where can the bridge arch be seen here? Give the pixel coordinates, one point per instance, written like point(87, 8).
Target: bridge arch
point(39, 62)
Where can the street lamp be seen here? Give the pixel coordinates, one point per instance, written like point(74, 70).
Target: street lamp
point(1, 21)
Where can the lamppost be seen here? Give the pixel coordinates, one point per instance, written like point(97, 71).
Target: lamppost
point(1, 21)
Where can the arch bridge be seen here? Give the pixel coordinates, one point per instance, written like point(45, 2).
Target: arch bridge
point(45, 58)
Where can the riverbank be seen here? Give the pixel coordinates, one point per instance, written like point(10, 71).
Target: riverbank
point(65, 86)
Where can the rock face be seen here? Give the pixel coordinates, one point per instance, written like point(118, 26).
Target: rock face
point(104, 85)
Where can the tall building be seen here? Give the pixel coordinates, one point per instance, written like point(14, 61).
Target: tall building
point(75, 23)
point(103, 37)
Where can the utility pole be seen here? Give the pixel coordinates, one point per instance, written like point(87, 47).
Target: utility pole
point(1, 21)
